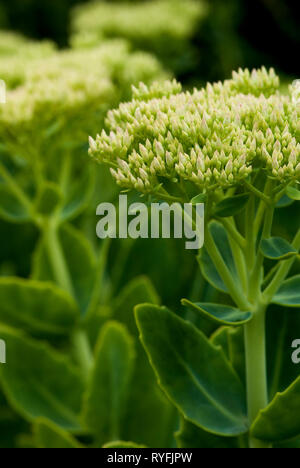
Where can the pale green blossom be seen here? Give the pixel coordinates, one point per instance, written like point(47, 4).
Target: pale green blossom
point(18, 55)
point(163, 27)
point(220, 136)
point(70, 91)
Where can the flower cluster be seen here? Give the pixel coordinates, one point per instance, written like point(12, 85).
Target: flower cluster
point(18, 55)
point(217, 136)
point(163, 27)
point(74, 89)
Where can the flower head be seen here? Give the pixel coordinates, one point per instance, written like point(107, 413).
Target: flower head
point(142, 24)
point(72, 90)
point(217, 136)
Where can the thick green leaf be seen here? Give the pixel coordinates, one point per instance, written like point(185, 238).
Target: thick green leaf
point(208, 268)
point(232, 342)
point(231, 206)
point(289, 293)
point(108, 389)
point(39, 382)
point(49, 435)
point(191, 436)
point(80, 260)
point(36, 307)
point(138, 291)
point(277, 248)
point(145, 397)
point(293, 193)
point(280, 420)
point(122, 444)
point(201, 198)
point(11, 209)
point(284, 202)
point(194, 374)
point(220, 314)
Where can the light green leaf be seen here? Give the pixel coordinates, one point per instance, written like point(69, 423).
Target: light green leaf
point(208, 268)
point(289, 293)
point(293, 193)
point(80, 260)
point(280, 420)
point(191, 436)
point(36, 307)
point(39, 382)
point(145, 396)
point(122, 444)
point(277, 248)
point(108, 389)
point(11, 209)
point(231, 206)
point(183, 359)
point(220, 314)
point(49, 435)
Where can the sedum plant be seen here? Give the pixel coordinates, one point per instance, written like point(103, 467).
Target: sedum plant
point(234, 146)
point(163, 27)
point(51, 319)
point(16, 55)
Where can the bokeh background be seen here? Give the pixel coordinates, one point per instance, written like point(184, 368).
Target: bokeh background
point(232, 33)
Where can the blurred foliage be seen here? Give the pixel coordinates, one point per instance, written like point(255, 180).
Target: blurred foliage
point(164, 27)
point(59, 285)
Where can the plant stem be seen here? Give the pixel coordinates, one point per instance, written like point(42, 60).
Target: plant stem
point(15, 188)
point(256, 368)
point(257, 192)
point(56, 257)
point(235, 291)
point(61, 273)
point(230, 227)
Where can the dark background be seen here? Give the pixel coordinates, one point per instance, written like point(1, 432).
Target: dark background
point(237, 33)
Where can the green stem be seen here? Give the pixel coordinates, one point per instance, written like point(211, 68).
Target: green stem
point(169, 198)
point(240, 263)
point(258, 193)
point(256, 278)
point(14, 187)
point(230, 227)
point(249, 231)
point(56, 257)
point(61, 273)
point(256, 368)
point(235, 291)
